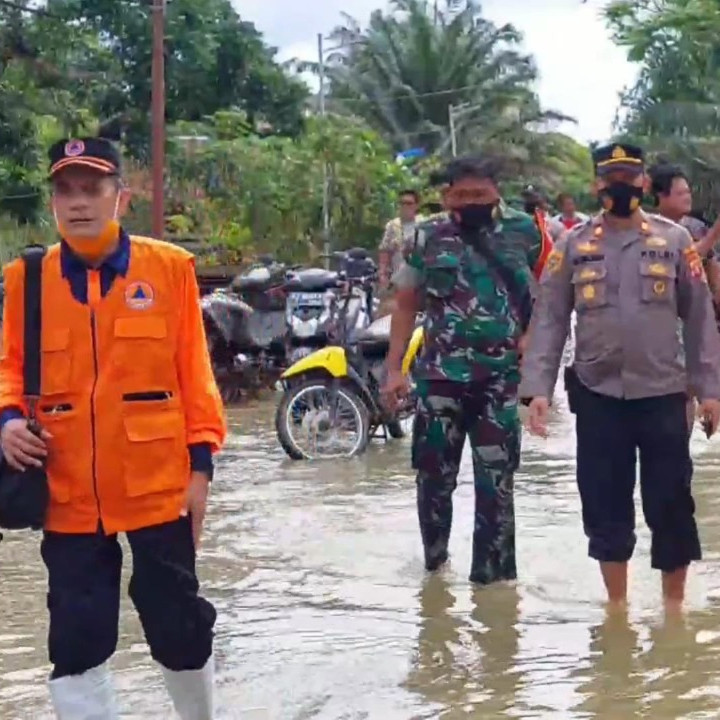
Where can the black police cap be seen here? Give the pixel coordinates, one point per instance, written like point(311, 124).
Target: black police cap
point(91, 152)
point(618, 156)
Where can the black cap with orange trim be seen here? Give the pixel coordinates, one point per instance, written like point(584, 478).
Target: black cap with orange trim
point(619, 156)
point(90, 152)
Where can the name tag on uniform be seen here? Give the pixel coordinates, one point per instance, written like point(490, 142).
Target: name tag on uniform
point(656, 242)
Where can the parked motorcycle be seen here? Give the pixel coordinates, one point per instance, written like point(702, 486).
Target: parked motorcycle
point(245, 328)
point(330, 406)
point(312, 298)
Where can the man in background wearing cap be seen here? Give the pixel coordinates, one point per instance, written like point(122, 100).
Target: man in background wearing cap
point(471, 271)
point(629, 276)
point(130, 416)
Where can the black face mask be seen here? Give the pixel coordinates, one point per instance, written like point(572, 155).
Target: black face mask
point(530, 208)
point(476, 216)
point(621, 199)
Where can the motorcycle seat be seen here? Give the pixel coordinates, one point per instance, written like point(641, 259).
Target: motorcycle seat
point(312, 280)
point(257, 279)
point(376, 332)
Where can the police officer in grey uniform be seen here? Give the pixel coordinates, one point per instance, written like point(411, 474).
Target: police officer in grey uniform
point(629, 276)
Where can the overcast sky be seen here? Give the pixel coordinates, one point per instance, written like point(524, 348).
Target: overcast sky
point(581, 71)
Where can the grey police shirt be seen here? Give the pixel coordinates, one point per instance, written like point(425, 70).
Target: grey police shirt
point(628, 290)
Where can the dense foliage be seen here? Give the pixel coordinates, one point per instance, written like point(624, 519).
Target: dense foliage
point(674, 108)
point(251, 180)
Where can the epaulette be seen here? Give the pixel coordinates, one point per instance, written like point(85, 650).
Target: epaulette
point(588, 224)
point(662, 219)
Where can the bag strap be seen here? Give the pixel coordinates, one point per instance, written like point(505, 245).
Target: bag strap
point(33, 258)
point(520, 297)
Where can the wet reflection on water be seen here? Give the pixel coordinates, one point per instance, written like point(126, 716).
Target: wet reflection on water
point(325, 611)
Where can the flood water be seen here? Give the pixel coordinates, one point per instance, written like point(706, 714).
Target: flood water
point(325, 610)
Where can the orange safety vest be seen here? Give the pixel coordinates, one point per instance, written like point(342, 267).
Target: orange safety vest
point(127, 385)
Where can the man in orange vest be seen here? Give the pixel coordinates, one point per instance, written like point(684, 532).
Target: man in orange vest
point(131, 417)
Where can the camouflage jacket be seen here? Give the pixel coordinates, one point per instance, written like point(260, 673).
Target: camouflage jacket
point(471, 323)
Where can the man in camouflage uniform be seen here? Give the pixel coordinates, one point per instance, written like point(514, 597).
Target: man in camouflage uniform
point(472, 271)
point(630, 277)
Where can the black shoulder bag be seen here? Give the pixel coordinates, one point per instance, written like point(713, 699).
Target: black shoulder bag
point(24, 495)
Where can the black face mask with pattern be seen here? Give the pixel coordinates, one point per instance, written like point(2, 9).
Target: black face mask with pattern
point(621, 199)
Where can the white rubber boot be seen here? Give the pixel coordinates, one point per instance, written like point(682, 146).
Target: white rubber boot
point(192, 691)
point(89, 696)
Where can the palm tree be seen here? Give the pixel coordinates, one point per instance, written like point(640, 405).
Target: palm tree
point(412, 64)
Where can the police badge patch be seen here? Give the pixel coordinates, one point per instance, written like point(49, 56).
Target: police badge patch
point(554, 261)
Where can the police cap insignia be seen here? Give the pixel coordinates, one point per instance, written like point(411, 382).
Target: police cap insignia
point(618, 156)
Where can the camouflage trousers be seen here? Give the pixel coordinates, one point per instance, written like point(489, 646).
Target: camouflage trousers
point(486, 413)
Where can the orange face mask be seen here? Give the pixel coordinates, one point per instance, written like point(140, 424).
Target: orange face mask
point(93, 249)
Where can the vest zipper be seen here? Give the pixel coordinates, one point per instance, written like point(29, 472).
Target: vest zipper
point(94, 296)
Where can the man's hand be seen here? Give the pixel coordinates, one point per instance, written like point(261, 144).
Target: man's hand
point(21, 447)
point(709, 413)
point(396, 387)
point(538, 412)
point(196, 503)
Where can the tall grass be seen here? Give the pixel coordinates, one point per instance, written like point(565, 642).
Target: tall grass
point(14, 237)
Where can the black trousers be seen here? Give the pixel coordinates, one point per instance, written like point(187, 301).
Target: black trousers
point(84, 598)
point(610, 434)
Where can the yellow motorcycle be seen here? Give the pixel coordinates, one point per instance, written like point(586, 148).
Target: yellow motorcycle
point(330, 405)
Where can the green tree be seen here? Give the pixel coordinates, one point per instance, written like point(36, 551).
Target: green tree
point(673, 109)
point(214, 60)
point(265, 195)
point(410, 65)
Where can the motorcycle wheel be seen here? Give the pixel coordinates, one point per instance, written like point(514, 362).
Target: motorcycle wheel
point(229, 384)
point(291, 425)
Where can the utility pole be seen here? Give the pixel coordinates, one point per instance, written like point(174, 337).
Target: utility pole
point(326, 189)
point(453, 137)
point(158, 118)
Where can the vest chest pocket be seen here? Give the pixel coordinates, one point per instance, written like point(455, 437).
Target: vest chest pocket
point(590, 283)
point(56, 361)
point(140, 345)
point(657, 281)
point(156, 457)
point(442, 275)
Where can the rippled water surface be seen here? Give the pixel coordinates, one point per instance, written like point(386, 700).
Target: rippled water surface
point(325, 611)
